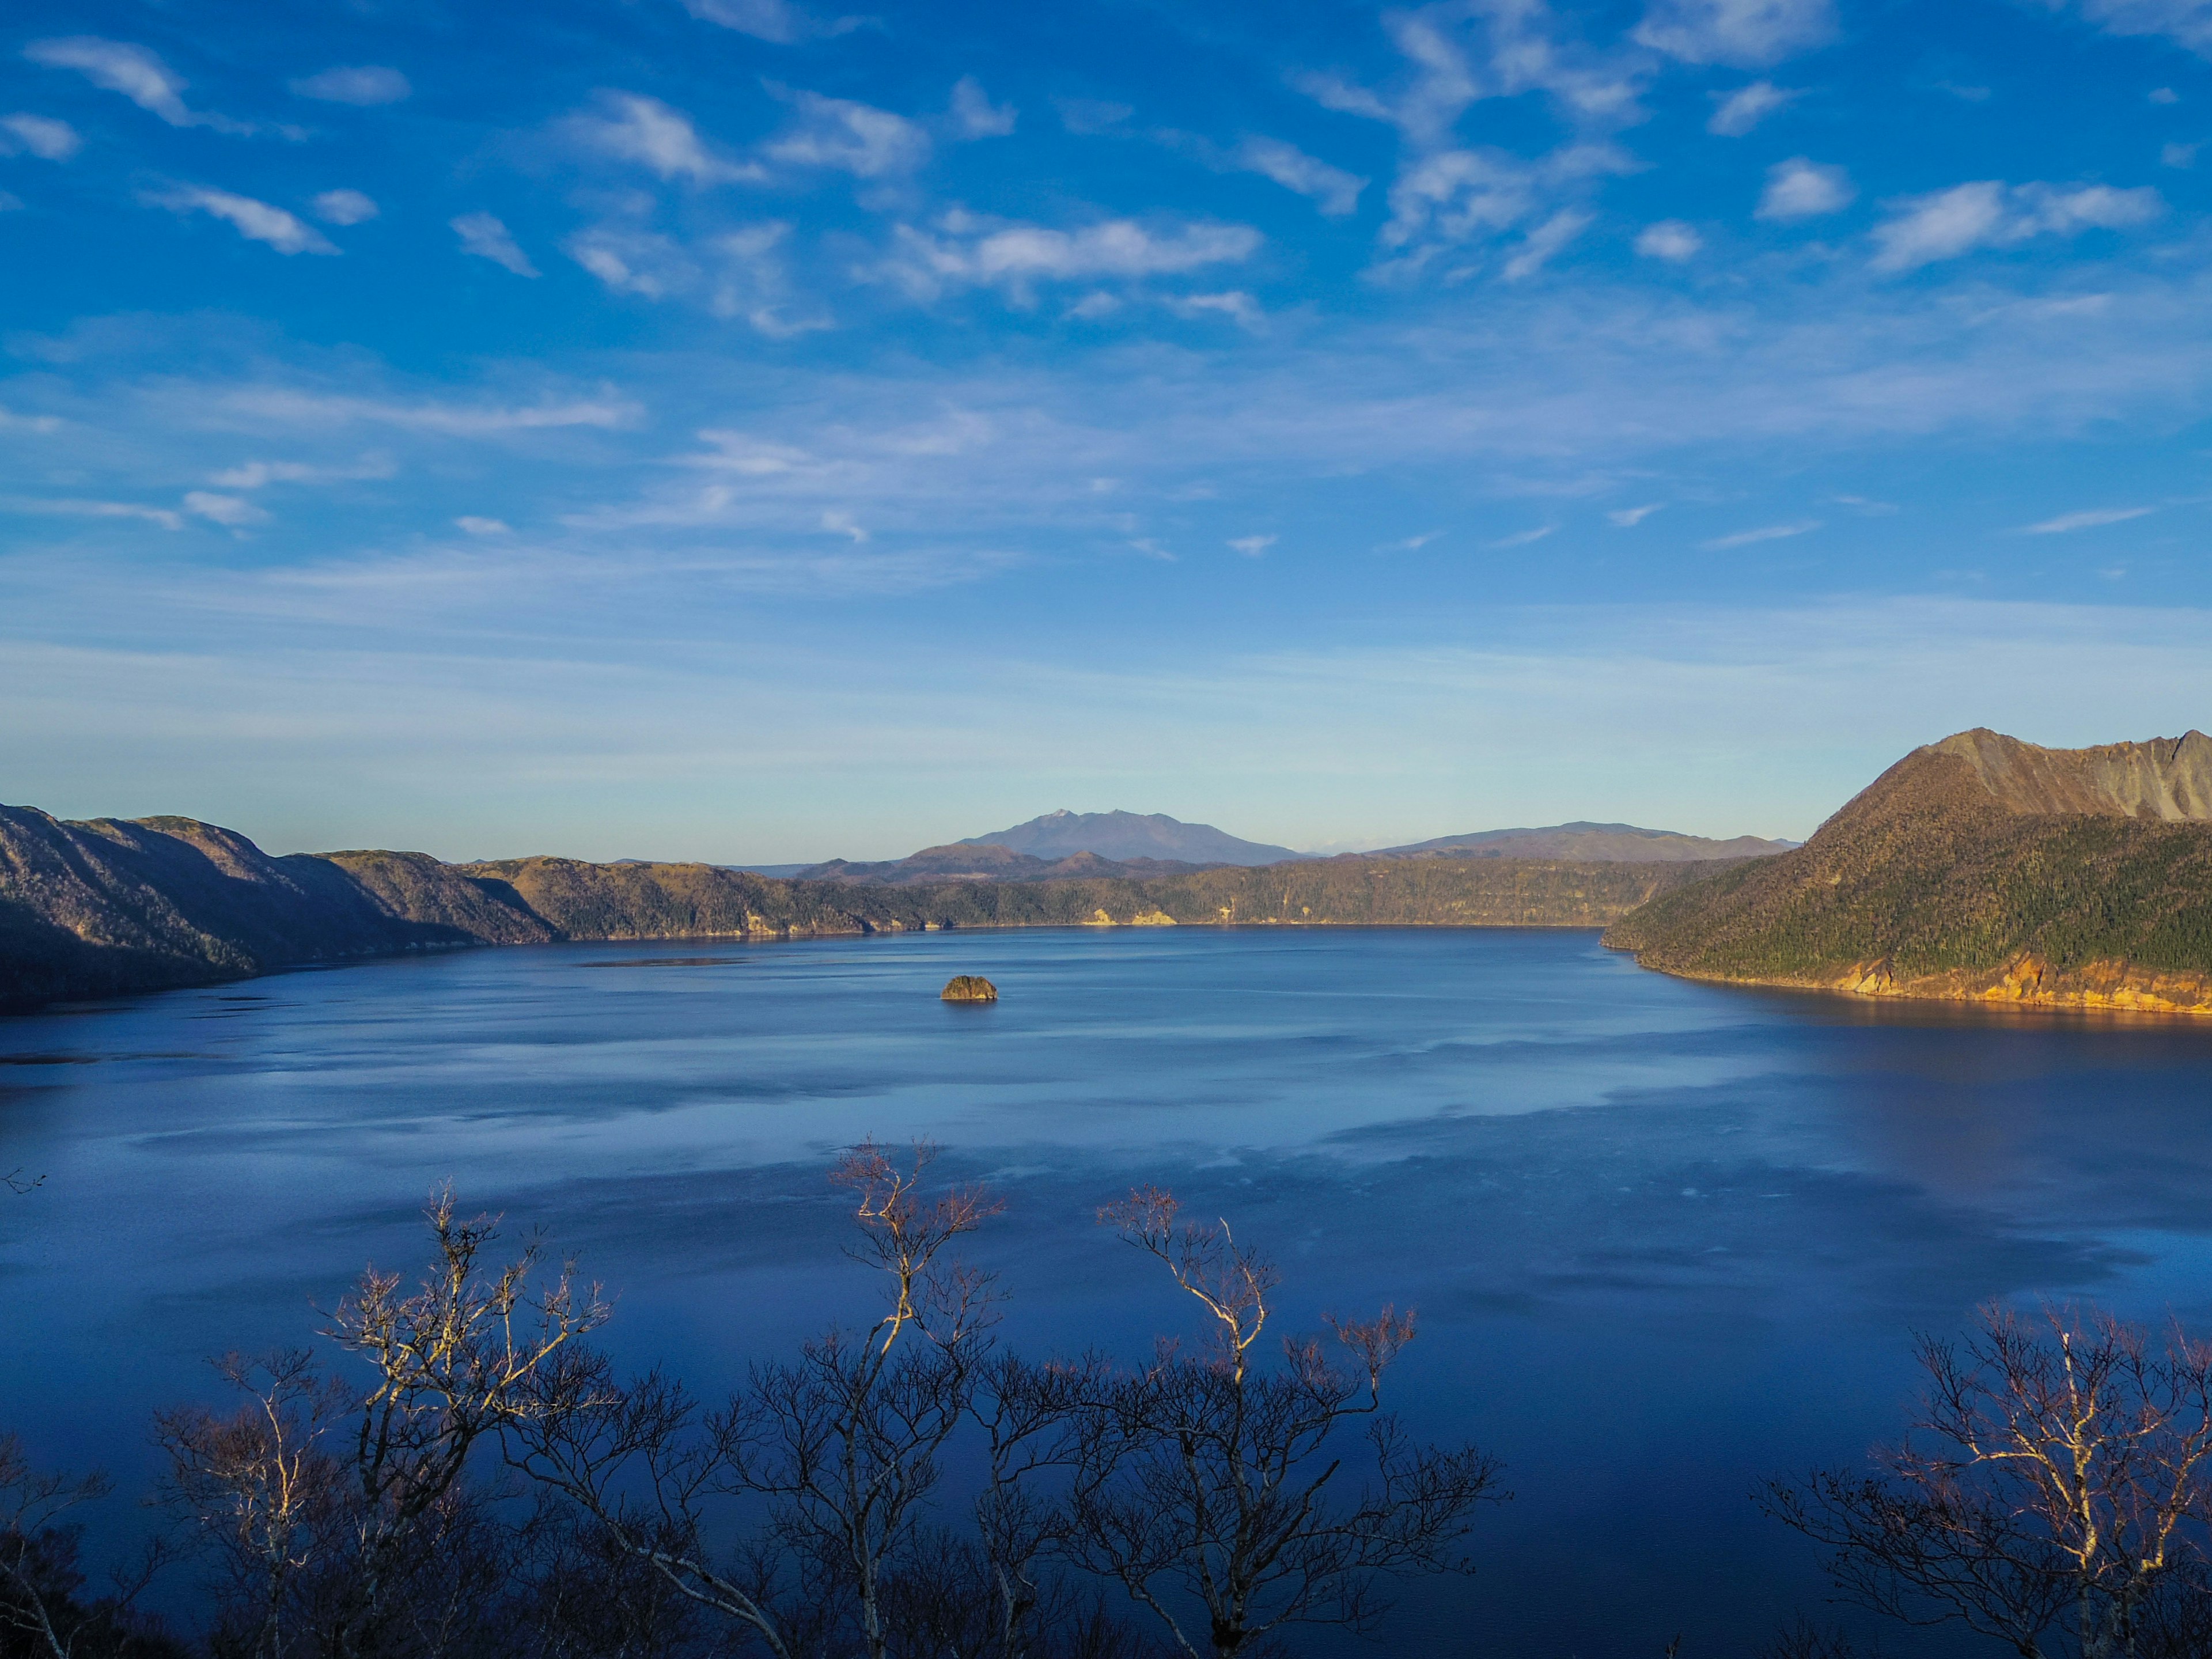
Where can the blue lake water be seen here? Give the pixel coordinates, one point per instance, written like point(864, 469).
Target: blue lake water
point(1665, 1239)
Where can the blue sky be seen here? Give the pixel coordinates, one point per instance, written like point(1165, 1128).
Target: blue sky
point(736, 429)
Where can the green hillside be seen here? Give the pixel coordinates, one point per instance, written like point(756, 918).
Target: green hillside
point(1952, 876)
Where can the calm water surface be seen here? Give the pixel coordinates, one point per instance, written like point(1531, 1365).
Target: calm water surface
point(1665, 1239)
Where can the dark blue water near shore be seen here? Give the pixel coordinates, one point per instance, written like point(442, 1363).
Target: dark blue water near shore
point(1664, 1238)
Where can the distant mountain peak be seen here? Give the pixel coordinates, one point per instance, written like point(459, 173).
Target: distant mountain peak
point(1121, 836)
point(1582, 841)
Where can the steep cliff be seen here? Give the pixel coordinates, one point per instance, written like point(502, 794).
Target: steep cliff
point(1979, 868)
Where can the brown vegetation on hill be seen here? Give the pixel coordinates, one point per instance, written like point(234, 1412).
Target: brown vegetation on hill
point(1979, 868)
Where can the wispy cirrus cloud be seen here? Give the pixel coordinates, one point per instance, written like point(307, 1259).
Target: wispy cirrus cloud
point(2186, 22)
point(344, 207)
point(485, 237)
point(1749, 33)
point(1946, 224)
point(1670, 240)
point(136, 73)
point(1332, 189)
point(1462, 52)
point(284, 406)
point(1771, 532)
point(2093, 519)
point(1459, 196)
point(41, 136)
point(631, 127)
point(849, 136)
point(1743, 110)
point(974, 114)
point(364, 85)
point(779, 21)
point(965, 249)
point(77, 508)
point(256, 221)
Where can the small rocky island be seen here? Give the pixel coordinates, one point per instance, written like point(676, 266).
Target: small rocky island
point(969, 988)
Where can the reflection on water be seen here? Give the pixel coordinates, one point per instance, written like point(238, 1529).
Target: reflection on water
point(1665, 1238)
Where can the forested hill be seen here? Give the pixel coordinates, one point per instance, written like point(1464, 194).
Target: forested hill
point(96, 908)
point(1979, 868)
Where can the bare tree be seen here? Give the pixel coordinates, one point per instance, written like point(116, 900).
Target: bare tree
point(261, 1489)
point(1214, 1482)
point(40, 1582)
point(843, 1445)
point(2057, 1501)
point(451, 1362)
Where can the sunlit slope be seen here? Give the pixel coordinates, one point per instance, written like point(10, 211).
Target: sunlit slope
point(1980, 867)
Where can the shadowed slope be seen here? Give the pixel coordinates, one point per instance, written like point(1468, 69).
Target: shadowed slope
point(1980, 867)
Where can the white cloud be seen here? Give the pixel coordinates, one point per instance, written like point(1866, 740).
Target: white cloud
point(1334, 190)
point(1539, 246)
point(486, 238)
point(972, 250)
point(227, 510)
point(1253, 546)
point(11, 421)
point(838, 522)
point(9, 202)
point(1947, 223)
point(138, 74)
point(1772, 533)
point(1521, 538)
point(286, 407)
point(2186, 22)
point(1744, 108)
point(1746, 32)
point(749, 282)
point(257, 221)
point(343, 207)
point(41, 135)
point(259, 475)
point(975, 116)
point(632, 127)
point(2179, 156)
point(775, 20)
point(1458, 195)
point(88, 509)
point(1463, 51)
point(2089, 520)
point(475, 527)
point(2163, 95)
point(1087, 118)
point(1235, 305)
point(856, 138)
point(364, 84)
point(630, 261)
point(1628, 518)
point(1802, 189)
point(1670, 240)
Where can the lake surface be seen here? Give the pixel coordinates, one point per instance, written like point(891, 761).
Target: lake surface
point(1665, 1239)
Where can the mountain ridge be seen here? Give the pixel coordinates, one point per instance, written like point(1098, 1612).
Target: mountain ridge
point(1585, 841)
point(110, 906)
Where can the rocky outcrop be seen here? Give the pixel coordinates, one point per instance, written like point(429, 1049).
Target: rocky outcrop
point(969, 988)
point(1976, 869)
